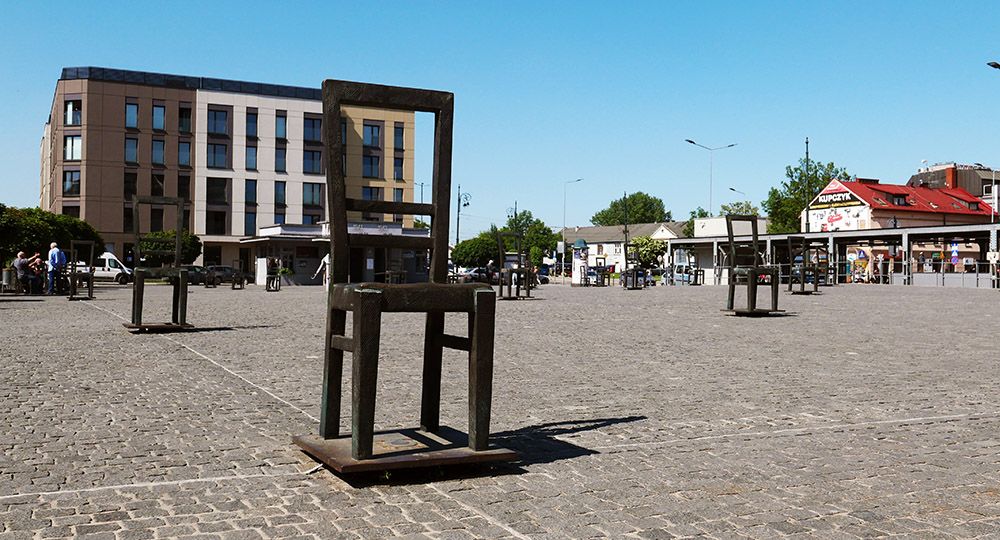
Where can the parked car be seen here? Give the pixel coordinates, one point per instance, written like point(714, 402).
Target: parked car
point(107, 267)
point(196, 274)
point(477, 275)
point(223, 273)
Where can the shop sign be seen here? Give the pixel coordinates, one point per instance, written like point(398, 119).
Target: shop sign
point(835, 195)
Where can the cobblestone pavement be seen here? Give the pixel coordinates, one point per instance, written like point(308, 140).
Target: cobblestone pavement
point(872, 411)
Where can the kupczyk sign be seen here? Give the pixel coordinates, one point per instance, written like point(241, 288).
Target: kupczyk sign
point(835, 196)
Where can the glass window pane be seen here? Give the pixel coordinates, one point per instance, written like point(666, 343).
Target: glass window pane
point(279, 159)
point(71, 183)
point(184, 153)
point(131, 115)
point(159, 116)
point(73, 113)
point(372, 135)
point(216, 191)
point(158, 152)
point(184, 120)
point(250, 224)
point(156, 185)
point(398, 137)
point(184, 187)
point(73, 147)
point(251, 124)
point(251, 192)
point(280, 125)
point(313, 129)
point(311, 161)
point(218, 122)
point(132, 150)
point(252, 158)
point(397, 168)
point(279, 193)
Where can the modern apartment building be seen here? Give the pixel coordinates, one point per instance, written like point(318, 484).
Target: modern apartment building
point(245, 155)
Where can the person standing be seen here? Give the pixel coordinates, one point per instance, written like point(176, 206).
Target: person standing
point(56, 262)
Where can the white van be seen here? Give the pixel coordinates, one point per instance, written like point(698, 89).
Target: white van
point(108, 267)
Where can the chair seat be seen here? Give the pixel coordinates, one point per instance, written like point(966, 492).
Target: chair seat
point(412, 297)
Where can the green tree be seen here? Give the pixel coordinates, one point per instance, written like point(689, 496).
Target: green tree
point(537, 238)
point(32, 230)
point(420, 224)
point(637, 208)
point(163, 240)
point(743, 208)
point(476, 251)
point(647, 250)
point(784, 205)
point(698, 213)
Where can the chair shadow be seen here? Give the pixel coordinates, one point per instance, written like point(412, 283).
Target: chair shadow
point(20, 299)
point(534, 444)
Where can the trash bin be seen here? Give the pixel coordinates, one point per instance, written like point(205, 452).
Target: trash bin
point(8, 279)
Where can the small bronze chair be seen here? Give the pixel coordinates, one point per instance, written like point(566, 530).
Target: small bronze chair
point(512, 281)
point(432, 444)
point(745, 262)
point(800, 246)
point(76, 274)
point(177, 275)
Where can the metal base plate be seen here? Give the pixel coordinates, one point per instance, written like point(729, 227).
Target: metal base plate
point(401, 449)
point(157, 327)
point(759, 312)
point(804, 292)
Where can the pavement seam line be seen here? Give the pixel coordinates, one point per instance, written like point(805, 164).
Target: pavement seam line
point(492, 520)
point(802, 429)
point(220, 366)
point(148, 485)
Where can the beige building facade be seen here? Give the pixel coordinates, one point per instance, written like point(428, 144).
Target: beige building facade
point(245, 156)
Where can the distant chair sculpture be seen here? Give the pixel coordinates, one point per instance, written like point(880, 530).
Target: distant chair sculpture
point(633, 278)
point(77, 274)
point(745, 262)
point(432, 444)
point(177, 275)
point(239, 276)
point(514, 283)
point(800, 247)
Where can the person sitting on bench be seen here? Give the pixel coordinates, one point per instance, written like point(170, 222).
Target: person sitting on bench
point(24, 274)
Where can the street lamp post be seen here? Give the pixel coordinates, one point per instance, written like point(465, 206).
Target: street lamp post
point(562, 265)
point(711, 153)
point(734, 190)
point(463, 200)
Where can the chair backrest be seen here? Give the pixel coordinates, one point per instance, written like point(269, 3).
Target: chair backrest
point(736, 249)
point(76, 249)
point(339, 93)
point(172, 245)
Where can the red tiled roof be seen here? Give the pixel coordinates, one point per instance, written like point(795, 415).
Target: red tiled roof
point(919, 199)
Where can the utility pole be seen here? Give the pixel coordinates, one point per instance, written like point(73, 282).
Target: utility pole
point(463, 200)
point(625, 246)
point(809, 186)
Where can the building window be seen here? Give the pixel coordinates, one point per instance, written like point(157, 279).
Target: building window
point(397, 168)
point(251, 158)
point(131, 115)
point(186, 221)
point(71, 184)
point(370, 166)
point(155, 219)
point(131, 150)
point(128, 220)
point(215, 222)
point(250, 192)
point(343, 132)
point(184, 187)
point(899, 200)
point(279, 218)
point(279, 160)
point(218, 122)
point(184, 154)
point(216, 191)
point(72, 211)
point(159, 117)
point(73, 147)
point(157, 158)
point(250, 223)
point(74, 113)
point(156, 185)
point(373, 135)
point(280, 125)
point(216, 156)
point(312, 194)
point(371, 194)
point(251, 124)
point(397, 137)
point(397, 196)
point(184, 120)
point(279, 194)
point(312, 161)
point(131, 181)
point(343, 147)
point(313, 129)
point(311, 219)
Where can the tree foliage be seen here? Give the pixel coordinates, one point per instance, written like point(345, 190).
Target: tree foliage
point(537, 237)
point(32, 230)
point(647, 250)
point(697, 213)
point(784, 205)
point(635, 208)
point(421, 224)
point(161, 240)
point(476, 251)
point(743, 208)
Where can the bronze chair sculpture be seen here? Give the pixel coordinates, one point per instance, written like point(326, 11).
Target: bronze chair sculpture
point(77, 274)
point(745, 262)
point(802, 247)
point(512, 281)
point(177, 275)
point(432, 443)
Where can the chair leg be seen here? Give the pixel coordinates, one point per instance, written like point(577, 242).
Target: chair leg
point(752, 290)
point(182, 297)
point(774, 292)
point(333, 375)
point(137, 289)
point(731, 299)
point(364, 370)
point(430, 398)
point(481, 370)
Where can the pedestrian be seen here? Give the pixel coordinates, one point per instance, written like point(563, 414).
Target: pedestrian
point(324, 266)
point(25, 276)
point(56, 262)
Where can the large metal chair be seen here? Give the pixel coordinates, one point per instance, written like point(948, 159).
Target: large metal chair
point(178, 276)
point(432, 443)
point(746, 263)
point(514, 280)
point(800, 246)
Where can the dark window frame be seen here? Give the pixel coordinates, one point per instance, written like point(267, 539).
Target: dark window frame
point(163, 152)
point(129, 105)
point(213, 122)
point(135, 149)
point(71, 192)
point(317, 162)
point(211, 155)
point(163, 118)
point(73, 116)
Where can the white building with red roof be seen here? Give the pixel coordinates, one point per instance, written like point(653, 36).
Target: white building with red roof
point(867, 204)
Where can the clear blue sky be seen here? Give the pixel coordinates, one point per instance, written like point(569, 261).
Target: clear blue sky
point(551, 91)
